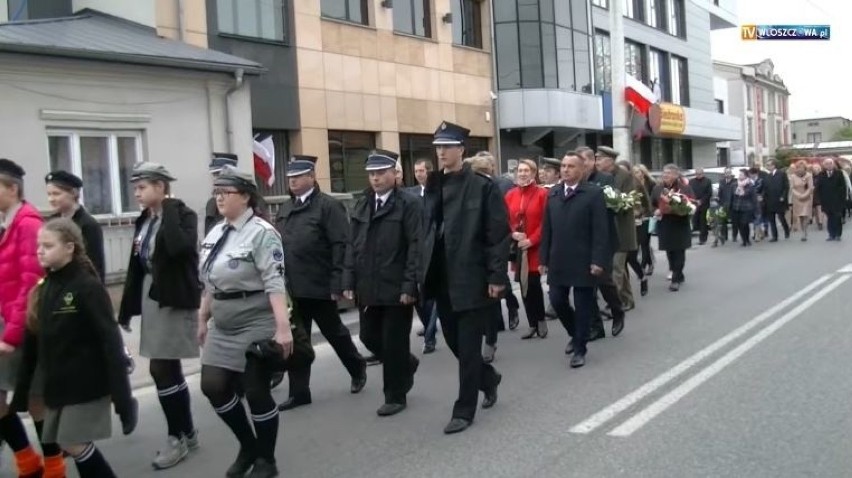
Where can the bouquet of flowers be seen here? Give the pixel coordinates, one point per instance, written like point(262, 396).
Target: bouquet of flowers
point(716, 215)
point(620, 202)
point(677, 204)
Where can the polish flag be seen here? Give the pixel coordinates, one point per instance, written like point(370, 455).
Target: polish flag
point(639, 95)
point(264, 159)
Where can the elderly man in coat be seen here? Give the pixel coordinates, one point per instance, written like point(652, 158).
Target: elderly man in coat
point(625, 224)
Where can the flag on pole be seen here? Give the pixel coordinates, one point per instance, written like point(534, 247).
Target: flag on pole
point(264, 158)
point(639, 95)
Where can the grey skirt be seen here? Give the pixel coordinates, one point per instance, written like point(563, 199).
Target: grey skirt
point(235, 325)
point(166, 333)
point(78, 424)
point(9, 365)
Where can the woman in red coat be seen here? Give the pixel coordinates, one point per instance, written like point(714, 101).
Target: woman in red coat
point(525, 204)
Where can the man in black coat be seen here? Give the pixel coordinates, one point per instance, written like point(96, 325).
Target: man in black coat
point(382, 274)
point(776, 191)
point(314, 232)
point(702, 187)
point(727, 187)
point(574, 250)
point(832, 193)
point(466, 249)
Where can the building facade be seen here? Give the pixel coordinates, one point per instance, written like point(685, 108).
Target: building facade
point(667, 47)
point(819, 130)
point(757, 95)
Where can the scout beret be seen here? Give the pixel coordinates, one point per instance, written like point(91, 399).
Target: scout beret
point(230, 176)
point(64, 179)
point(151, 171)
point(11, 169)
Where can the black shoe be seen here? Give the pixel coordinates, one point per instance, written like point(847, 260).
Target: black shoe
point(533, 332)
point(597, 334)
point(295, 401)
point(513, 319)
point(643, 287)
point(360, 380)
point(617, 326)
point(457, 425)
point(389, 409)
point(542, 329)
point(674, 286)
point(263, 469)
point(774, 239)
point(428, 349)
point(372, 360)
point(242, 465)
point(569, 349)
point(491, 394)
point(578, 360)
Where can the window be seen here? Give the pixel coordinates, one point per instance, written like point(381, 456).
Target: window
point(634, 60)
point(761, 133)
point(282, 155)
point(347, 152)
point(601, 3)
point(720, 106)
point(655, 15)
point(412, 17)
point(354, 11)
point(252, 18)
point(633, 9)
point(750, 131)
point(779, 140)
point(680, 81)
point(676, 19)
point(603, 63)
point(467, 23)
point(749, 94)
point(771, 102)
point(104, 161)
point(658, 74)
point(543, 44)
point(814, 138)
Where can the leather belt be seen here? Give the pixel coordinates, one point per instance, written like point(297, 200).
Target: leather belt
point(240, 294)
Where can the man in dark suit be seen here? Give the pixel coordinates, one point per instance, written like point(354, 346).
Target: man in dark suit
point(727, 187)
point(426, 310)
point(574, 250)
point(832, 193)
point(466, 249)
point(776, 189)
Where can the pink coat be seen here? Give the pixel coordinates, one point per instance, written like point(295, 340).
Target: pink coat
point(19, 271)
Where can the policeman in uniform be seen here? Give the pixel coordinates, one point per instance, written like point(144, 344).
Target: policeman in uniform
point(549, 171)
point(314, 230)
point(382, 274)
point(466, 252)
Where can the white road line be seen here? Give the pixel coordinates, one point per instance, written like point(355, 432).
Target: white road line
point(610, 412)
point(640, 419)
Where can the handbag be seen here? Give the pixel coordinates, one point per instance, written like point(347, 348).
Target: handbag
point(652, 226)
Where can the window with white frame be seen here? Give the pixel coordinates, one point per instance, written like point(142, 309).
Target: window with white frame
point(104, 161)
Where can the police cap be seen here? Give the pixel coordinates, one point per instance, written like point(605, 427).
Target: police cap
point(450, 134)
point(300, 164)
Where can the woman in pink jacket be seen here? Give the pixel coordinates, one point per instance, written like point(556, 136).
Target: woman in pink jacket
point(19, 272)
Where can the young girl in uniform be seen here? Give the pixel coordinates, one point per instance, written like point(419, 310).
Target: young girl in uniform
point(162, 286)
point(74, 342)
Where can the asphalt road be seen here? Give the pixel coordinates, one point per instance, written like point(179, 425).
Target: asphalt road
point(742, 373)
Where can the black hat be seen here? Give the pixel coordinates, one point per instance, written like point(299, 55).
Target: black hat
point(151, 171)
point(64, 178)
point(450, 134)
point(230, 176)
point(220, 160)
point(607, 151)
point(551, 163)
point(380, 159)
point(11, 169)
point(300, 164)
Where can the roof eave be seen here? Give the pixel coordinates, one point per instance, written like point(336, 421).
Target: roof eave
point(186, 64)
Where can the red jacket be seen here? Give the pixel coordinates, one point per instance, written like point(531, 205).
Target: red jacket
point(526, 204)
point(19, 271)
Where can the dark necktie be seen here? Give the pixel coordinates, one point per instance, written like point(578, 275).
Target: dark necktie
point(569, 192)
point(146, 242)
point(217, 247)
point(379, 204)
point(299, 202)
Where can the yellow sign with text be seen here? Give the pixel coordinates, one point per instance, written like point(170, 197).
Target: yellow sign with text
point(667, 118)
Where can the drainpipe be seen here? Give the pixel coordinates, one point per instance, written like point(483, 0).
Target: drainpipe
point(494, 95)
point(181, 20)
point(238, 83)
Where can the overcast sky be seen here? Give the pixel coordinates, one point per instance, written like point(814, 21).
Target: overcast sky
point(817, 73)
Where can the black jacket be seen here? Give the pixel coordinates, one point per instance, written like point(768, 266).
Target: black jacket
point(776, 189)
point(832, 191)
point(470, 211)
point(314, 236)
point(384, 252)
point(93, 238)
point(574, 236)
point(77, 344)
point(175, 263)
point(602, 180)
point(674, 233)
point(703, 190)
point(726, 192)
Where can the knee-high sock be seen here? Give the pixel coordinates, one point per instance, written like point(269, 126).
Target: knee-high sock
point(12, 430)
point(266, 428)
point(175, 401)
point(234, 415)
point(92, 464)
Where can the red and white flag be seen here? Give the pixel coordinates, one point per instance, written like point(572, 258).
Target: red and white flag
point(264, 159)
point(639, 95)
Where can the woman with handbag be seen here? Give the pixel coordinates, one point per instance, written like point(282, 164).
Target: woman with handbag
point(525, 205)
point(242, 267)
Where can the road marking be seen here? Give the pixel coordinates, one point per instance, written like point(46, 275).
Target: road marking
point(634, 397)
point(847, 269)
point(642, 418)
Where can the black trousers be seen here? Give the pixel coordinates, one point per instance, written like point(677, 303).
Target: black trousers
point(609, 292)
point(325, 314)
point(576, 322)
point(771, 216)
point(677, 261)
point(496, 324)
point(741, 220)
point(463, 331)
point(699, 222)
point(534, 301)
point(644, 239)
point(385, 331)
point(633, 262)
point(511, 300)
point(834, 224)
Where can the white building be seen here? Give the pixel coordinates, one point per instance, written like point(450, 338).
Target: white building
point(95, 94)
point(758, 96)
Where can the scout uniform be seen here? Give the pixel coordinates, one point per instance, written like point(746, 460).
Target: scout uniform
point(382, 264)
point(211, 212)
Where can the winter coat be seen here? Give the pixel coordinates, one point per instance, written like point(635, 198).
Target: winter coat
point(19, 270)
point(526, 212)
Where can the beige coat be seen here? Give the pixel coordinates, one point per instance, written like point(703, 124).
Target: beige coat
point(802, 194)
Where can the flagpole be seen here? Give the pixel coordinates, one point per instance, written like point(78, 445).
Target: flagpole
point(620, 130)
